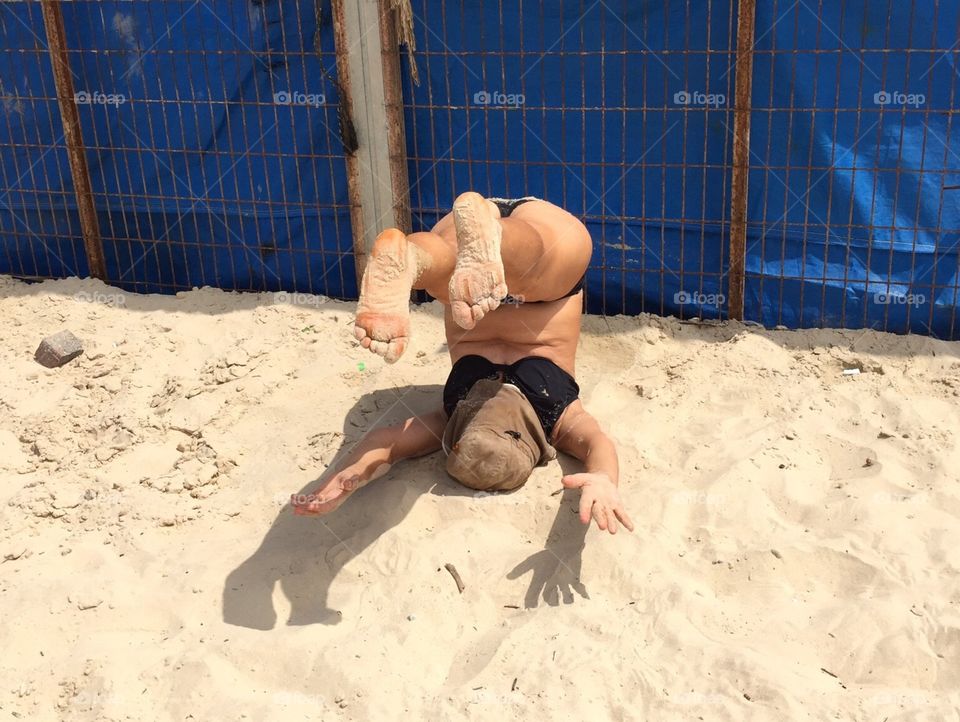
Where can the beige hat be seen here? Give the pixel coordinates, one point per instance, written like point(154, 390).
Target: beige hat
point(494, 439)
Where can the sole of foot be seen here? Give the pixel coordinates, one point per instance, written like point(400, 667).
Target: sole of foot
point(477, 285)
point(383, 312)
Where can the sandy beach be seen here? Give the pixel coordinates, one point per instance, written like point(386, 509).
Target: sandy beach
point(797, 552)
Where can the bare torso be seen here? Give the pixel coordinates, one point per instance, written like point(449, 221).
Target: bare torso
point(550, 330)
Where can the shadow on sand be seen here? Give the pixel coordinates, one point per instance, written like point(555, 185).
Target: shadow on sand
point(305, 554)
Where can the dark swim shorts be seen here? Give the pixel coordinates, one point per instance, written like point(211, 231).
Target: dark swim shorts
point(548, 388)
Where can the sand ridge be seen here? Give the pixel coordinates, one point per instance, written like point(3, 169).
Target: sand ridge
point(796, 554)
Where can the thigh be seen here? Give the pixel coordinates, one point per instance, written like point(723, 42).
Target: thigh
point(445, 227)
point(566, 241)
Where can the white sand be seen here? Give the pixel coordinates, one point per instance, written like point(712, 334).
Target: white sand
point(796, 554)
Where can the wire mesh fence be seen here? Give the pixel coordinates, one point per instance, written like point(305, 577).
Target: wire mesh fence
point(618, 112)
point(852, 221)
point(216, 152)
point(40, 235)
point(212, 139)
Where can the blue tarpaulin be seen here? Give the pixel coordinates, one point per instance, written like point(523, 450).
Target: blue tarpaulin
point(622, 112)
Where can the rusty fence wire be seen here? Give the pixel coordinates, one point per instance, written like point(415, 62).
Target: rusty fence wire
point(215, 140)
point(212, 139)
point(616, 111)
point(854, 218)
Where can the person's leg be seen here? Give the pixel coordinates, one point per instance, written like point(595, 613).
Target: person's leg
point(470, 260)
point(398, 264)
point(545, 251)
point(537, 254)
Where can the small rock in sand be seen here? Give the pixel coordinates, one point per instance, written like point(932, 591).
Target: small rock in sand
point(85, 601)
point(58, 349)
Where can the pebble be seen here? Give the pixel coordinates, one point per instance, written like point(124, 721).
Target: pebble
point(84, 603)
point(58, 349)
point(411, 617)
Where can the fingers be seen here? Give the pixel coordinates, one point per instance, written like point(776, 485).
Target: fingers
point(624, 518)
point(600, 514)
point(586, 504)
point(608, 520)
point(573, 481)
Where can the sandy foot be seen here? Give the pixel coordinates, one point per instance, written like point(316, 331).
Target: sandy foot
point(478, 284)
point(383, 312)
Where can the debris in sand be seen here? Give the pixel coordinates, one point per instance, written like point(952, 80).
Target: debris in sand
point(56, 350)
point(456, 576)
point(85, 602)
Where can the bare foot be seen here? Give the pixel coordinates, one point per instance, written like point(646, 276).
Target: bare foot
point(383, 313)
point(477, 285)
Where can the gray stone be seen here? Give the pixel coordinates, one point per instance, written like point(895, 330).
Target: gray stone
point(58, 349)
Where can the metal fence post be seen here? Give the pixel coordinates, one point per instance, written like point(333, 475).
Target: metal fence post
point(741, 156)
point(76, 153)
point(368, 66)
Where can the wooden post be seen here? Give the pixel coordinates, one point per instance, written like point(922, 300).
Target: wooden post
point(368, 66)
point(76, 153)
point(741, 157)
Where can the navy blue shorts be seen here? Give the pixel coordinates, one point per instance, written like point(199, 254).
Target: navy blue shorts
point(548, 388)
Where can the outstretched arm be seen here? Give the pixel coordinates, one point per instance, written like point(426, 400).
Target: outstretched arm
point(373, 456)
point(579, 435)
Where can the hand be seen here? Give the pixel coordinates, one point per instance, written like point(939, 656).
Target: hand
point(329, 496)
point(600, 499)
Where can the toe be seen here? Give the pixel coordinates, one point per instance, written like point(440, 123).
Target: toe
point(379, 347)
point(366, 341)
point(360, 332)
point(462, 315)
point(395, 350)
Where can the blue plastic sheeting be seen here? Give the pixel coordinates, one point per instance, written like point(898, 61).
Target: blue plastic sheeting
point(596, 124)
point(603, 131)
point(874, 243)
point(213, 146)
point(619, 111)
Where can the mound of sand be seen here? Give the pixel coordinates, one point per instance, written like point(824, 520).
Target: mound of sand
point(796, 554)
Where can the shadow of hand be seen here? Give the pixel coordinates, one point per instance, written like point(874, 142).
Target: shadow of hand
point(553, 579)
point(556, 568)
